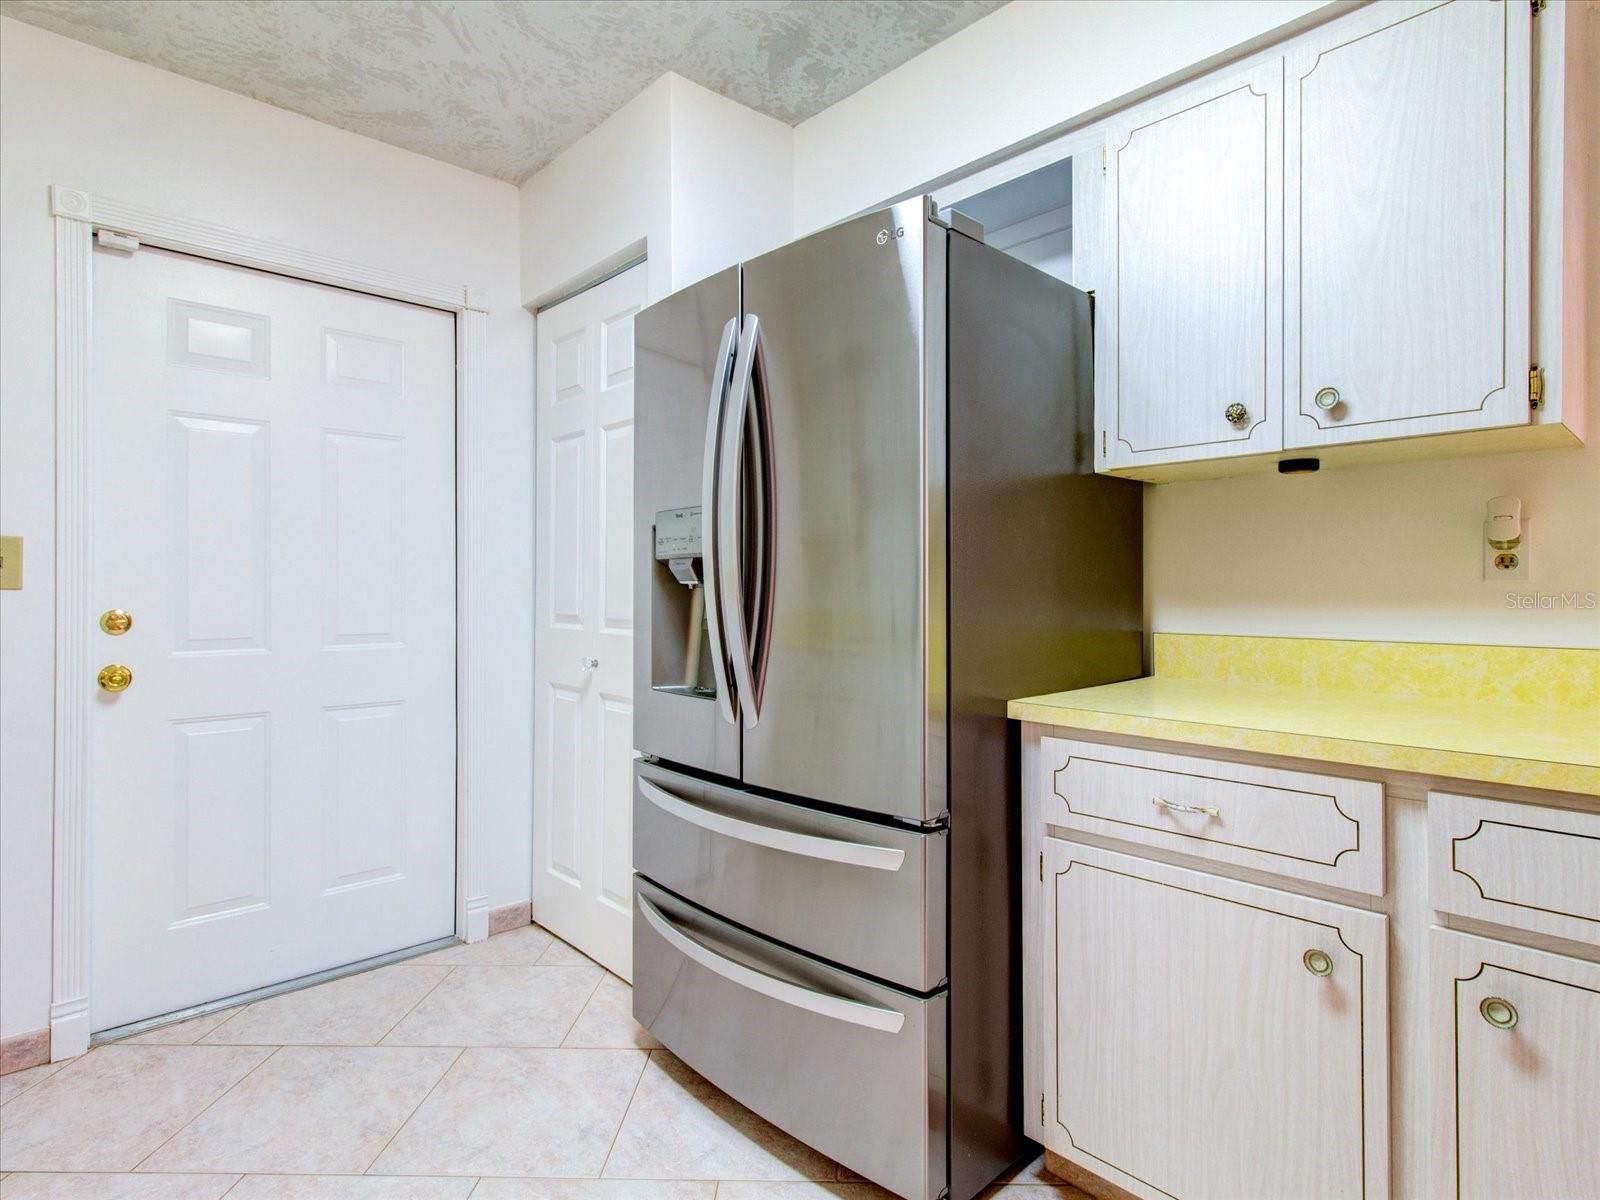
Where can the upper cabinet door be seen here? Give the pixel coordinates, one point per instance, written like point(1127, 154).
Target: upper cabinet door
point(1189, 303)
point(1407, 234)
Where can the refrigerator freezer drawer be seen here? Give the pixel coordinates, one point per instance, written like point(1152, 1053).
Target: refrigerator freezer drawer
point(852, 1068)
point(870, 897)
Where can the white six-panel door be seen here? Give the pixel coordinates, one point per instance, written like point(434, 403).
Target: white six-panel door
point(583, 648)
point(274, 792)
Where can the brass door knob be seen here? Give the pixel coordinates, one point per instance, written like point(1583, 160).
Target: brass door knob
point(1318, 962)
point(1236, 414)
point(116, 622)
point(1499, 1012)
point(115, 677)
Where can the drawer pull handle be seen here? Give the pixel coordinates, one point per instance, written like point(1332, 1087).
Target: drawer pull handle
point(824, 1004)
point(1499, 1012)
point(1203, 809)
point(1318, 962)
point(854, 854)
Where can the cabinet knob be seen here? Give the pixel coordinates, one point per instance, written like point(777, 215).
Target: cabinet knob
point(1327, 399)
point(1236, 414)
point(1499, 1012)
point(1318, 962)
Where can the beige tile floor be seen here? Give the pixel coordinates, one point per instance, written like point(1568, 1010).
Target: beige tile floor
point(507, 1070)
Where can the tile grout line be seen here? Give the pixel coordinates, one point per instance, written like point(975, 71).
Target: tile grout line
point(578, 1016)
point(627, 1108)
point(226, 1091)
point(400, 1128)
point(448, 971)
point(230, 1188)
point(232, 1013)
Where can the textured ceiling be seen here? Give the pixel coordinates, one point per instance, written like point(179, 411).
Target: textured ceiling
point(502, 86)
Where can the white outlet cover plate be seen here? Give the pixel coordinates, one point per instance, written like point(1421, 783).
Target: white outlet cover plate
point(1494, 574)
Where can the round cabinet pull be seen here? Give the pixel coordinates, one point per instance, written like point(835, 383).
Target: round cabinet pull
point(1318, 962)
point(1499, 1012)
point(114, 677)
point(116, 622)
point(589, 664)
point(1327, 399)
point(1236, 414)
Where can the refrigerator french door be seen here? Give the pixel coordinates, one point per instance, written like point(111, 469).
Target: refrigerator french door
point(801, 424)
point(866, 515)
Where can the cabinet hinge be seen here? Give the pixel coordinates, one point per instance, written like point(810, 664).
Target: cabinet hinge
point(1102, 158)
point(1041, 867)
point(1537, 6)
point(1103, 443)
point(1041, 1108)
point(1535, 386)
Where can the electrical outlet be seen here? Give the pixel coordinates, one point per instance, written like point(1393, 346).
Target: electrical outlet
point(1505, 565)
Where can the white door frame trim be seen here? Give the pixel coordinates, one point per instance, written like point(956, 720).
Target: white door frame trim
point(77, 214)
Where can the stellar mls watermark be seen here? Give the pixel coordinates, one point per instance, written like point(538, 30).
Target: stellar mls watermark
point(1544, 601)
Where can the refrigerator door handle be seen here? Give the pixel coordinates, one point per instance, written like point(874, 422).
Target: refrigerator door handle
point(733, 538)
point(824, 1004)
point(709, 551)
point(854, 854)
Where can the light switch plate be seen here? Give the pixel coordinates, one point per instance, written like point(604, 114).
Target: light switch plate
point(1494, 570)
point(10, 564)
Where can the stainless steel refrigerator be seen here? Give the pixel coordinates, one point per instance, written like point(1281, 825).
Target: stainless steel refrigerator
point(866, 516)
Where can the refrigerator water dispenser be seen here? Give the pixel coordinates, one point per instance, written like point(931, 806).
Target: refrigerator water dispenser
point(682, 654)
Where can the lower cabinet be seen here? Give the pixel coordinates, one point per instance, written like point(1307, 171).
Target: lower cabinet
point(1208, 1039)
point(1517, 1071)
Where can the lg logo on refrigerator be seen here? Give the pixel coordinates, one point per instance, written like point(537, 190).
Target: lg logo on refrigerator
point(885, 234)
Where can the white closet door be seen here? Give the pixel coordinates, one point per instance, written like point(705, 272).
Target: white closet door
point(583, 649)
point(274, 792)
point(1190, 313)
point(1407, 235)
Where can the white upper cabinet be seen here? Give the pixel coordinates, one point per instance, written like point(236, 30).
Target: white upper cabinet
point(1188, 305)
point(1366, 243)
point(1407, 238)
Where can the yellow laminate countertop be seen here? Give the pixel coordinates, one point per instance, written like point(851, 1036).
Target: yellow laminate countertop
point(1510, 715)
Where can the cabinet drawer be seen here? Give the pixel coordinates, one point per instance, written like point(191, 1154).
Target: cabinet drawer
point(1523, 865)
point(1516, 1052)
point(1321, 828)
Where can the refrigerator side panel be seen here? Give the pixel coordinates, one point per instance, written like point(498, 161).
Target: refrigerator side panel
point(844, 712)
point(1045, 593)
point(676, 351)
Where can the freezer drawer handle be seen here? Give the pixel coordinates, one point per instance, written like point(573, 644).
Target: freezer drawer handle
point(824, 1004)
point(855, 854)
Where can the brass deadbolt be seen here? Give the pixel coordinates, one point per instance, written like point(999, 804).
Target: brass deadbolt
point(116, 622)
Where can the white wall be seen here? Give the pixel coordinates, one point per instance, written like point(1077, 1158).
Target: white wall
point(602, 201)
point(1378, 552)
point(1022, 72)
point(698, 180)
point(732, 182)
point(77, 116)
